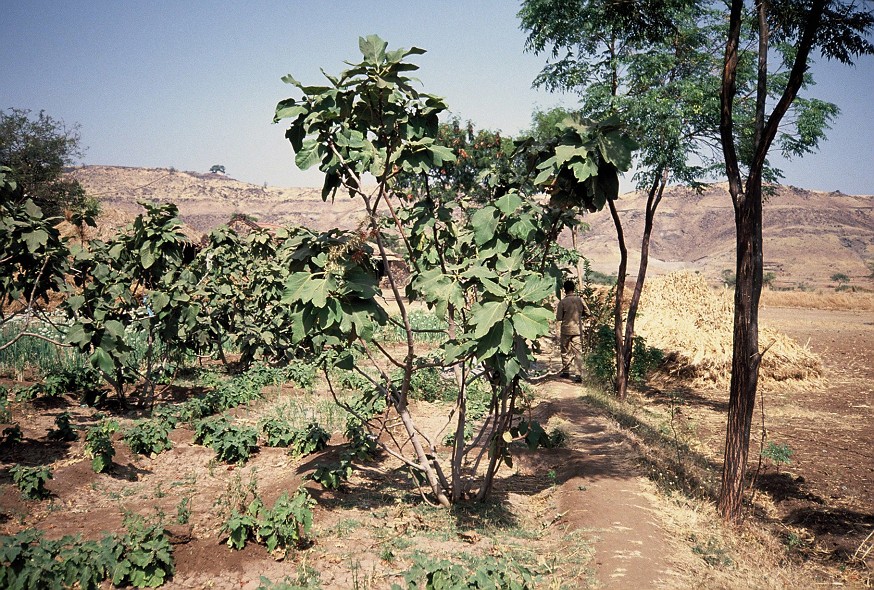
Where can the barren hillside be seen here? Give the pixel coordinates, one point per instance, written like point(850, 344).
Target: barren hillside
point(208, 200)
point(809, 236)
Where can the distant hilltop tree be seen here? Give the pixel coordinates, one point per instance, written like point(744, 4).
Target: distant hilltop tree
point(217, 169)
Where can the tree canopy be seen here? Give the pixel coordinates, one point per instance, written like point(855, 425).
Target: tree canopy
point(37, 148)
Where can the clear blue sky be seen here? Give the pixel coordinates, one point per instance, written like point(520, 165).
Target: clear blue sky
point(189, 84)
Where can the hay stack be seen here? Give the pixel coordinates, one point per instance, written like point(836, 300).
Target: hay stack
point(693, 325)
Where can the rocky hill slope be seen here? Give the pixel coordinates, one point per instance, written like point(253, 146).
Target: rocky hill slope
point(809, 236)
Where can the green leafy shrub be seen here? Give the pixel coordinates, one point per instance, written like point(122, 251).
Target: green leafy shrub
point(352, 381)
point(82, 380)
point(277, 432)
point(429, 385)
point(206, 429)
point(478, 573)
point(778, 453)
point(11, 435)
point(644, 359)
point(142, 558)
point(535, 436)
point(287, 523)
point(98, 445)
point(362, 445)
point(31, 481)
point(148, 436)
point(232, 444)
point(332, 476)
point(601, 360)
point(302, 374)
point(168, 414)
point(147, 557)
point(29, 561)
point(309, 440)
point(63, 431)
point(5, 412)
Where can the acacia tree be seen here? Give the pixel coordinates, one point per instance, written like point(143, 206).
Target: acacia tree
point(37, 149)
point(790, 31)
point(783, 30)
point(650, 63)
point(481, 269)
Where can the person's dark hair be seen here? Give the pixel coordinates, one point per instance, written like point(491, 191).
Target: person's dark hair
point(569, 286)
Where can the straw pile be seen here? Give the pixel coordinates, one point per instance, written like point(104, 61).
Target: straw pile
point(693, 325)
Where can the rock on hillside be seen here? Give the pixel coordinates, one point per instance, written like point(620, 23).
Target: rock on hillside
point(208, 200)
point(808, 235)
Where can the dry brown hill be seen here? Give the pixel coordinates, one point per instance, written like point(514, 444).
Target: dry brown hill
point(208, 200)
point(809, 236)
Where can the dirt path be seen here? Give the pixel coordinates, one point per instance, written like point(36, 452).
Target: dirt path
point(604, 493)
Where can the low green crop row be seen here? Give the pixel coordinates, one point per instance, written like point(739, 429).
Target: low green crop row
point(142, 558)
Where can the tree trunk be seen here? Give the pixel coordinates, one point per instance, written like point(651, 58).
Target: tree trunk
point(745, 357)
point(748, 223)
point(621, 382)
point(652, 203)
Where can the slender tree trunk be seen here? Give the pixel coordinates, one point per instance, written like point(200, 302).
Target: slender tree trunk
point(652, 203)
point(620, 343)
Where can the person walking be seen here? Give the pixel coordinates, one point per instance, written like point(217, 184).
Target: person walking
point(570, 313)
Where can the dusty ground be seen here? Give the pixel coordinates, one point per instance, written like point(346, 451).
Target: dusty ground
point(583, 515)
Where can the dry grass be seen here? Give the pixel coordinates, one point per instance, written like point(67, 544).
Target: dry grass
point(820, 299)
point(693, 324)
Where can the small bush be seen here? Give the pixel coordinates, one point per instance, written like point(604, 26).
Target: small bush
point(302, 374)
point(478, 573)
point(11, 435)
point(63, 431)
point(232, 444)
point(601, 360)
point(286, 524)
point(147, 558)
point(31, 481)
point(277, 432)
point(331, 477)
point(148, 436)
point(98, 445)
point(309, 440)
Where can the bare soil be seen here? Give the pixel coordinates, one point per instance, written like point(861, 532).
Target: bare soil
point(582, 516)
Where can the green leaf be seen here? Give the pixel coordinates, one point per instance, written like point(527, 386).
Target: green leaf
point(441, 154)
point(319, 290)
point(485, 222)
point(35, 239)
point(536, 289)
point(508, 203)
point(147, 255)
point(617, 149)
point(487, 316)
point(289, 109)
point(531, 322)
point(101, 360)
point(308, 155)
point(372, 48)
point(296, 287)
